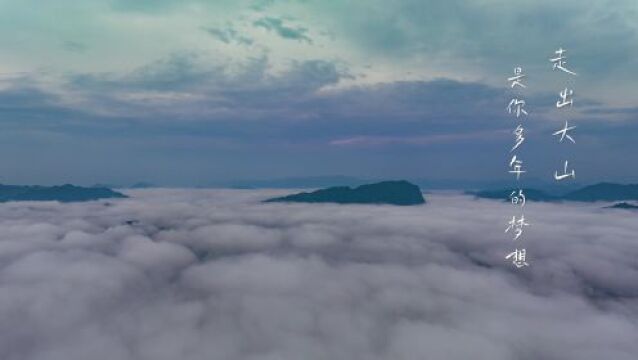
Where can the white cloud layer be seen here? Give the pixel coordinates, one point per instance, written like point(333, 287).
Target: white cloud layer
point(212, 274)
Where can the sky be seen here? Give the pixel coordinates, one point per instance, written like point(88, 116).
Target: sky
point(216, 274)
point(194, 93)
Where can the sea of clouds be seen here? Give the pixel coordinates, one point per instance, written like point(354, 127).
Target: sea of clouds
point(216, 274)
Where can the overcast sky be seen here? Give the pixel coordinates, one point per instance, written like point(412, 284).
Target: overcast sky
point(196, 92)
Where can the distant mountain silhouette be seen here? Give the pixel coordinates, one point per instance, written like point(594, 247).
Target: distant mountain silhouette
point(622, 205)
point(387, 192)
point(109, 186)
point(604, 192)
point(296, 182)
point(591, 193)
point(549, 187)
point(142, 185)
point(316, 182)
point(62, 193)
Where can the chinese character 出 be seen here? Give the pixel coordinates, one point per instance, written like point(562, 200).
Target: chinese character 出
point(565, 98)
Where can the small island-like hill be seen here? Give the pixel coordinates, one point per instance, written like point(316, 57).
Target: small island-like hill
point(61, 193)
point(399, 192)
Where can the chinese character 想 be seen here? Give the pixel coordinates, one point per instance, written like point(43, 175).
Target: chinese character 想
point(518, 258)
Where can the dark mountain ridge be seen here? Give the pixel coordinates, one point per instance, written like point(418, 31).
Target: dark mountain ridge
point(398, 192)
point(598, 192)
point(62, 193)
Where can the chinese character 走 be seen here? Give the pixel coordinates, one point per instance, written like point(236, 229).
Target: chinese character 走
point(559, 62)
point(518, 258)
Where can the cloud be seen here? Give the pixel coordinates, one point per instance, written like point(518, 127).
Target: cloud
point(216, 273)
point(229, 35)
point(189, 82)
point(286, 32)
point(410, 39)
point(418, 140)
point(194, 111)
